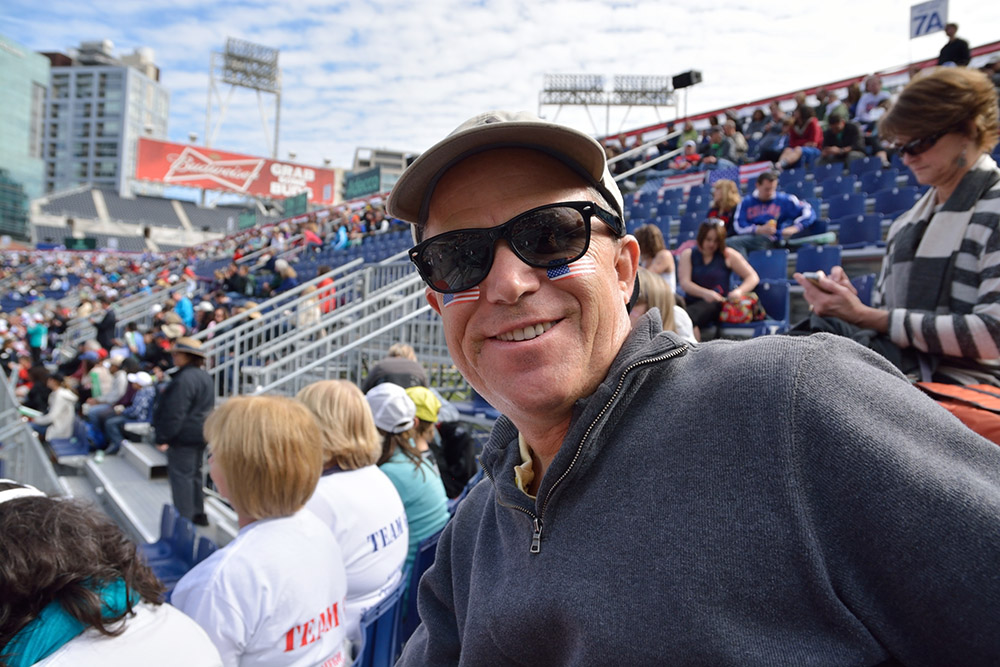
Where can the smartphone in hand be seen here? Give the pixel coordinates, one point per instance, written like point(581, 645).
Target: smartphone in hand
point(813, 276)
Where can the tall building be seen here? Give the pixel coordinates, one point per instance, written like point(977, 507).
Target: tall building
point(24, 78)
point(97, 107)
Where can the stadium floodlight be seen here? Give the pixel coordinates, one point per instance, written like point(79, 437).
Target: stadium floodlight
point(245, 65)
point(589, 89)
point(251, 65)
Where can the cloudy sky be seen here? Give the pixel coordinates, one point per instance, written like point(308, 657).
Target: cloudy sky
point(400, 75)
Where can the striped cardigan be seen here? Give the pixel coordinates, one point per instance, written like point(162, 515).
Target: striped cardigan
point(940, 279)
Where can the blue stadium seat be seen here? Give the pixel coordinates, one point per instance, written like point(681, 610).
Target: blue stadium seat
point(861, 165)
point(700, 190)
point(664, 222)
point(859, 231)
point(163, 547)
point(380, 631)
point(817, 258)
point(883, 179)
point(770, 264)
point(698, 204)
point(172, 567)
point(865, 285)
point(801, 189)
point(791, 176)
point(205, 548)
point(846, 204)
point(670, 207)
point(891, 203)
point(426, 551)
point(673, 194)
point(839, 185)
point(821, 172)
point(690, 223)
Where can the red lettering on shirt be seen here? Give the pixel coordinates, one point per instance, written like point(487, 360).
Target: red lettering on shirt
point(314, 628)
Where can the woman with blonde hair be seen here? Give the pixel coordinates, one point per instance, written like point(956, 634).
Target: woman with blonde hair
point(274, 595)
point(355, 498)
point(936, 306)
point(725, 201)
point(653, 254)
point(654, 292)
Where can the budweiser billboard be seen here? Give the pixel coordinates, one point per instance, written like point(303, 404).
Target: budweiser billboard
point(211, 169)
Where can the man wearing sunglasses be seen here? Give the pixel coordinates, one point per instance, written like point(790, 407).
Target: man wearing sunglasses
point(640, 508)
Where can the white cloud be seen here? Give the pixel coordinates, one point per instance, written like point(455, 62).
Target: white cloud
point(399, 74)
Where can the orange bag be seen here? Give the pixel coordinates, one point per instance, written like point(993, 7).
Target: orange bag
point(977, 406)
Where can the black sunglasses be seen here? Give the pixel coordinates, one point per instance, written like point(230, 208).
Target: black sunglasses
point(546, 237)
point(918, 146)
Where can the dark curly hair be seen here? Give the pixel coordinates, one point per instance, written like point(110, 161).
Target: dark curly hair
point(64, 550)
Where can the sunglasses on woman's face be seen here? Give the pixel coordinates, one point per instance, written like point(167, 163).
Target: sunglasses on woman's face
point(918, 146)
point(546, 237)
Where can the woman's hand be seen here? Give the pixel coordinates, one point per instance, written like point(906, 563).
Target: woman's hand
point(835, 296)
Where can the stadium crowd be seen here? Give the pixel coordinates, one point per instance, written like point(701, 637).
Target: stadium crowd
point(335, 488)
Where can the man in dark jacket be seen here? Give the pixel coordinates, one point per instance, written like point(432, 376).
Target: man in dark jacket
point(852, 521)
point(178, 420)
point(106, 324)
point(956, 50)
point(842, 141)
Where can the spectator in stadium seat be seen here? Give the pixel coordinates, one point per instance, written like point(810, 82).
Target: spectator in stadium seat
point(688, 160)
point(354, 498)
point(139, 409)
point(415, 477)
point(824, 101)
point(326, 290)
point(758, 124)
point(842, 141)
point(740, 144)
point(76, 592)
point(719, 150)
point(867, 112)
point(654, 292)
point(766, 218)
point(178, 418)
point(852, 99)
point(184, 309)
point(689, 133)
point(705, 272)
point(453, 446)
point(595, 491)
point(274, 595)
point(775, 139)
point(805, 139)
point(57, 423)
point(654, 255)
point(400, 366)
point(936, 308)
point(725, 200)
point(38, 394)
point(956, 50)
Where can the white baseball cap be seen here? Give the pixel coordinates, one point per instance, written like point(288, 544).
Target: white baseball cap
point(393, 409)
point(142, 378)
point(411, 195)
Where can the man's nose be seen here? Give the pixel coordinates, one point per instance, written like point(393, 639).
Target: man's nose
point(509, 278)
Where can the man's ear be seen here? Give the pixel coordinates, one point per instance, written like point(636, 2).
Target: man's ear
point(627, 265)
point(433, 298)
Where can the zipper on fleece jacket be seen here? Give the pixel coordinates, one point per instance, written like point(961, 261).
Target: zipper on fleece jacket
point(536, 521)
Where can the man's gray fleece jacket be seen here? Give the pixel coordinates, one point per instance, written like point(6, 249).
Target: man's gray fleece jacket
point(779, 501)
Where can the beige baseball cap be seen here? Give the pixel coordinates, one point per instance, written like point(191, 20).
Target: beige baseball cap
point(410, 197)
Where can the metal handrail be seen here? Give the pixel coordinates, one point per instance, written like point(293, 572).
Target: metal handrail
point(638, 149)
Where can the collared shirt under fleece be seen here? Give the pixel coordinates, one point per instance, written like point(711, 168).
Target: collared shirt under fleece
point(778, 501)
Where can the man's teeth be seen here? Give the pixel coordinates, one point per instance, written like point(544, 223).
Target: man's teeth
point(527, 333)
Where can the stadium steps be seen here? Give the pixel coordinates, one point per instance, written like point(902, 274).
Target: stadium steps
point(123, 488)
point(182, 215)
point(146, 458)
point(100, 205)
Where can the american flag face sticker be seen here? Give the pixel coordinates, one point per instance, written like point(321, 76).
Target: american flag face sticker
point(461, 297)
point(581, 267)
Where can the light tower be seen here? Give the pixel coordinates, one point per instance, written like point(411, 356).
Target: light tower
point(246, 65)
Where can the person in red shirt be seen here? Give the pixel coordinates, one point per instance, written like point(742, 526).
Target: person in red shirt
point(805, 139)
point(326, 293)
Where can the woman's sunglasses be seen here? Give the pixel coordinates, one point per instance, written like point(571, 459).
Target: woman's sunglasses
point(918, 146)
point(546, 237)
